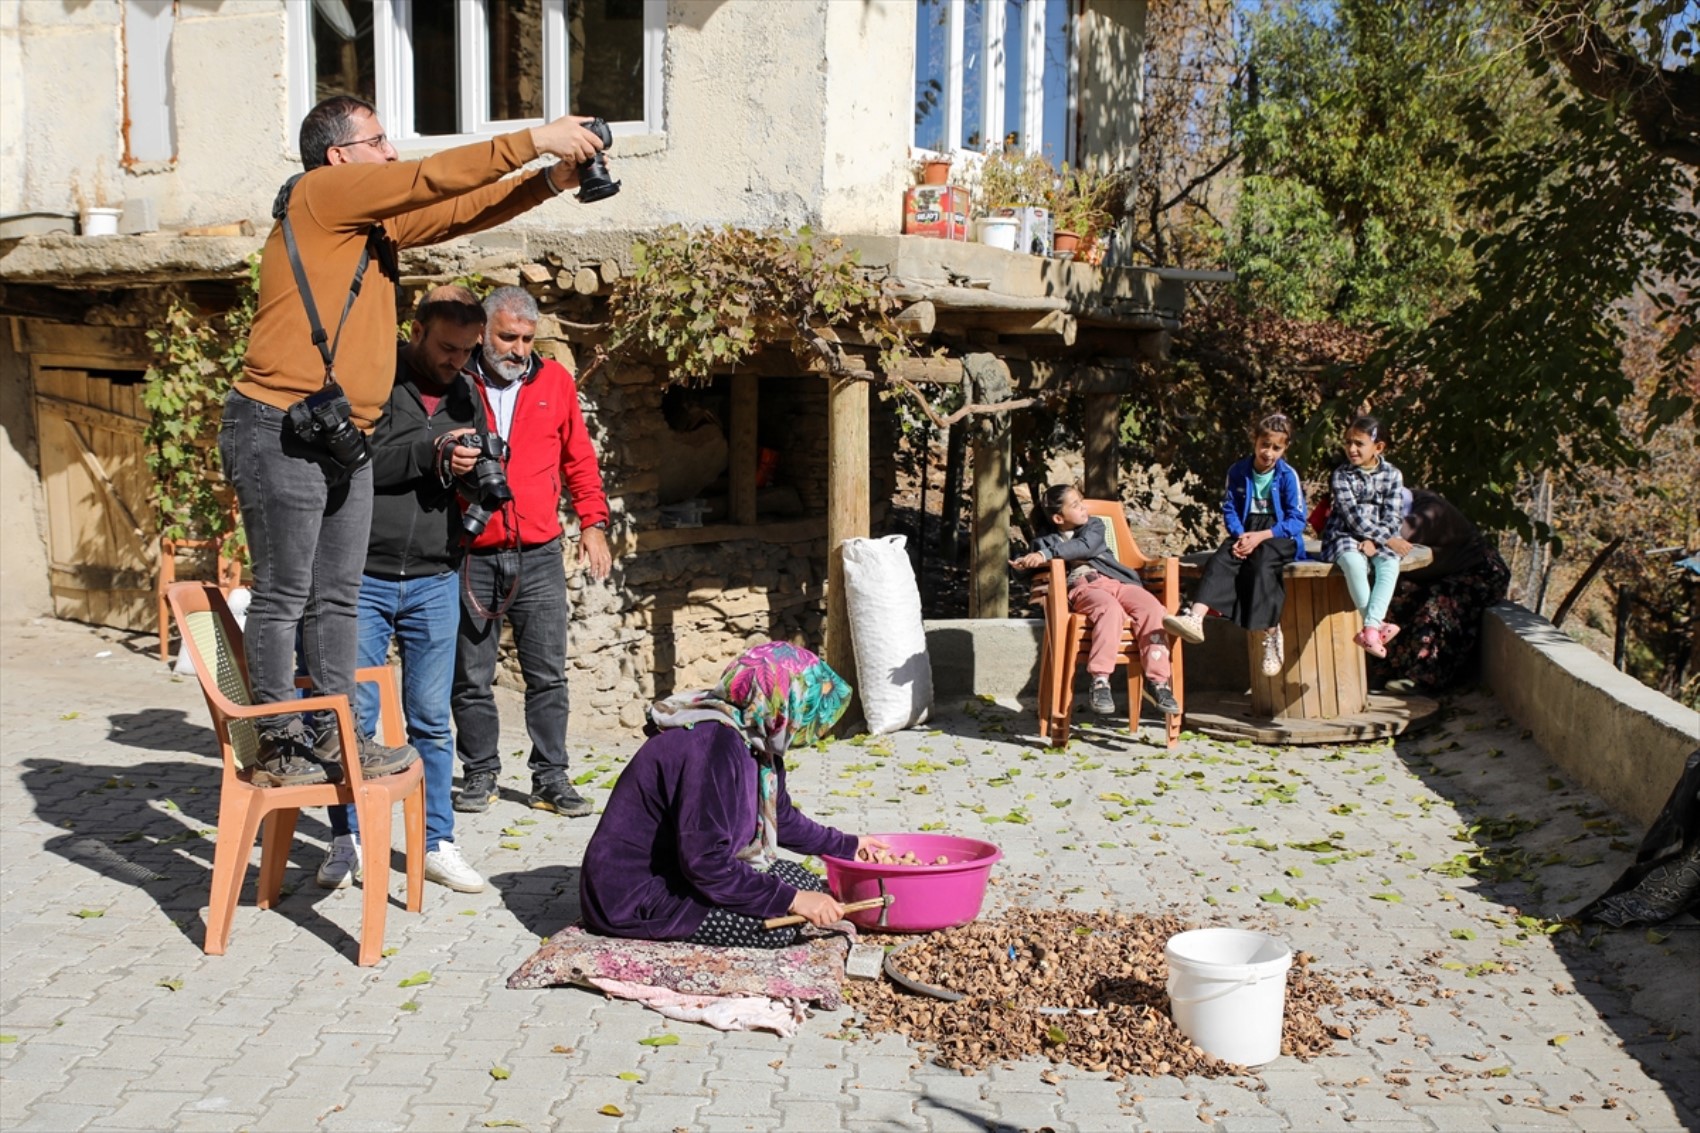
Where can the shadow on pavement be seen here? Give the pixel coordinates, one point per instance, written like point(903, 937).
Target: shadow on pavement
point(1542, 848)
point(161, 729)
point(544, 900)
point(151, 826)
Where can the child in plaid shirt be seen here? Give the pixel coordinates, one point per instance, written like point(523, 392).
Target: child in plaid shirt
point(1365, 517)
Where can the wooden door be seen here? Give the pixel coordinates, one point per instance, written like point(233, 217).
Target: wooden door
point(102, 544)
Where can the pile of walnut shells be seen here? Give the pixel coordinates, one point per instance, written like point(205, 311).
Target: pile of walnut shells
point(881, 856)
point(1088, 989)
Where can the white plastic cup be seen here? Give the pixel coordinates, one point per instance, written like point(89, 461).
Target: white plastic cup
point(998, 231)
point(99, 221)
point(1228, 991)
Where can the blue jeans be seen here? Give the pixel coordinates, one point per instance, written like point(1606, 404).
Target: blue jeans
point(1371, 602)
point(538, 617)
point(421, 614)
point(307, 544)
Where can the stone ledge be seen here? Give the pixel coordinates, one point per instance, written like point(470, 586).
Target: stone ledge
point(1605, 729)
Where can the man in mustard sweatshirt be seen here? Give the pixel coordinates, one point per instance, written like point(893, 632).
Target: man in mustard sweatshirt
point(292, 440)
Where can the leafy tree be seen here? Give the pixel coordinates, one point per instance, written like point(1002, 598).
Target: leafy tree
point(1352, 120)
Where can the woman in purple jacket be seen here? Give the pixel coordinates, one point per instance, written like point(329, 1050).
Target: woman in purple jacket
point(687, 847)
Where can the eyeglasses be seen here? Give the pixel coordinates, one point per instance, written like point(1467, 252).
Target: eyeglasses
point(376, 141)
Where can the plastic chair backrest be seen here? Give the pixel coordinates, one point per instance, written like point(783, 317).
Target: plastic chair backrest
point(1118, 536)
point(216, 654)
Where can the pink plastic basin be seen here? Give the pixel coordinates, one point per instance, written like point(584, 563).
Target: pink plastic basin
point(925, 898)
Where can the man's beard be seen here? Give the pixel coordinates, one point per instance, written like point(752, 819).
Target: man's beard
point(506, 367)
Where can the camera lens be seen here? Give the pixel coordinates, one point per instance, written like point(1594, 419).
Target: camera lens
point(593, 180)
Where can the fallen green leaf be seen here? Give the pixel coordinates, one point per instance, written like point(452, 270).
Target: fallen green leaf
point(69, 715)
point(630, 1076)
point(1559, 1040)
point(8, 1038)
point(500, 1073)
point(416, 979)
point(1393, 898)
point(504, 1123)
point(612, 1111)
point(1654, 936)
point(509, 845)
point(1274, 897)
point(410, 1005)
point(172, 984)
point(1463, 934)
point(1056, 1036)
point(660, 1040)
point(87, 914)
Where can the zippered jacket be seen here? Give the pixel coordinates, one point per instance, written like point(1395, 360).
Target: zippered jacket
point(416, 531)
point(1286, 502)
point(549, 449)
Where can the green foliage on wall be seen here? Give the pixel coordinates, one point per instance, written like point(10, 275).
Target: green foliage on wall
point(196, 358)
point(709, 300)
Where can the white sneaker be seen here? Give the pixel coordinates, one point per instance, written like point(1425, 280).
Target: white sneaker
point(445, 866)
point(1187, 627)
point(1273, 652)
point(342, 862)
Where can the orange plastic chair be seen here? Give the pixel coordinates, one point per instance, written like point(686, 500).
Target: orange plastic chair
point(1067, 637)
point(215, 642)
point(229, 578)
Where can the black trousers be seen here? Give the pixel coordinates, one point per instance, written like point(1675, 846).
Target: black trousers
point(1247, 591)
point(725, 929)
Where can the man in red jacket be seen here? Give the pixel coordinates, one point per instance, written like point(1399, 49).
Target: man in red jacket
point(516, 569)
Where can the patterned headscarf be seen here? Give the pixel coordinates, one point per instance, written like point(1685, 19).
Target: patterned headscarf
point(776, 695)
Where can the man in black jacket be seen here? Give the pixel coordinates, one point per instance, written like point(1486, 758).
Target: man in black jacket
point(409, 590)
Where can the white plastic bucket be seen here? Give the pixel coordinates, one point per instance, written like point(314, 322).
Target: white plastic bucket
point(1228, 991)
point(998, 231)
point(99, 221)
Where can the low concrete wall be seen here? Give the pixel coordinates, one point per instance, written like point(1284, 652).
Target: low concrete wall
point(1608, 731)
point(1000, 657)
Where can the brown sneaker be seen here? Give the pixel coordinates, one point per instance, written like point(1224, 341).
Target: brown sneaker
point(375, 758)
point(286, 760)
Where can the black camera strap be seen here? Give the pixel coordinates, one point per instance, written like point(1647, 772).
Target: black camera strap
point(280, 210)
point(479, 610)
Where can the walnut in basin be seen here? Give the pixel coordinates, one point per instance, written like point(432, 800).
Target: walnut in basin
point(925, 897)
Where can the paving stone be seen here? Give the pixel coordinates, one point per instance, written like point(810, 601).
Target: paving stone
point(277, 1034)
point(146, 1109)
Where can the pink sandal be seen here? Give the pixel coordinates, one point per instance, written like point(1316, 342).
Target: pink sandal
point(1369, 639)
point(1388, 632)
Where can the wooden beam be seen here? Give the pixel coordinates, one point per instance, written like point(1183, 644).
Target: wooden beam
point(976, 299)
point(108, 348)
point(659, 539)
point(741, 469)
point(1058, 325)
point(1102, 425)
point(917, 318)
point(846, 509)
point(988, 584)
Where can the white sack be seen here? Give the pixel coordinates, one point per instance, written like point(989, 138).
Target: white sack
point(893, 674)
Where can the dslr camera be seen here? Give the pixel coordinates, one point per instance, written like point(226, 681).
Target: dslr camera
point(485, 489)
point(594, 184)
point(321, 421)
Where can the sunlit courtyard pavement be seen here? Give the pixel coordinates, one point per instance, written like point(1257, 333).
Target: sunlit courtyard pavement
point(1432, 868)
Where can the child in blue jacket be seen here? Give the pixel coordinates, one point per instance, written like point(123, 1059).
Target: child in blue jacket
point(1263, 509)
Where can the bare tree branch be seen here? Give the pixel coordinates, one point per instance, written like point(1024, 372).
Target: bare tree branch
point(1663, 103)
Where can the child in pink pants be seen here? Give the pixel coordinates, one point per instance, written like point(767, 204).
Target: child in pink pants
point(1106, 592)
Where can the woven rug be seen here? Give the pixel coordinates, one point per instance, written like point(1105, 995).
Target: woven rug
point(811, 971)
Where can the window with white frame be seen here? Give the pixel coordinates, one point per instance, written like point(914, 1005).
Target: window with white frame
point(446, 69)
point(993, 74)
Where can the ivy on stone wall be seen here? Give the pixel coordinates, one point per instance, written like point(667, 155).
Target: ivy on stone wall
point(705, 301)
point(196, 358)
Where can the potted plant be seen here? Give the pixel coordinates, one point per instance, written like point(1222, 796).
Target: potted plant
point(1014, 186)
point(1080, 205)
point(933, 169)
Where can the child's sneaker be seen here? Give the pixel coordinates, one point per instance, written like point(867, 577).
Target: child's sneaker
point(1369, 638)
point(1274, 652)
point(1388, 632)
point(1187, 627)
point(1162, 698)
point(1101, 701)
